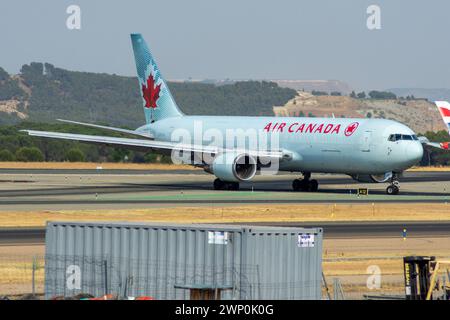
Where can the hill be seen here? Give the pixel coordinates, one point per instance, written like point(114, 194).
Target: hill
point(432, 94)
point(43, 93)
point(419, 114)
point(315, 85)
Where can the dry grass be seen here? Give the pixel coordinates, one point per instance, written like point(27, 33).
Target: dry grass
point(92, 165)
point(359, 267)
point(250, 213)
point(434, 169)
point(19, 271)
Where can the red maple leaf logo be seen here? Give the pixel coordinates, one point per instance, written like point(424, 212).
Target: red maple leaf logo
point(351, 128)
point(150, 93)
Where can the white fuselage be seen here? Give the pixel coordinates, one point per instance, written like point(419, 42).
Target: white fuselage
point(332, 145)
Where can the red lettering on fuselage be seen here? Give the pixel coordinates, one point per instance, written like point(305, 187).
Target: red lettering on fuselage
point(295, 127)
point(319, 129)
point(328, 128)
point(274, 127)
point(290, 127)
point(336, 129)
point(300, 129)
point(310, 127)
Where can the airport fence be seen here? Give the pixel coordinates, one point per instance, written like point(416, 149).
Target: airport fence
point(21, 275)
point(25, 275)
point(163, 279)
point(392, 290)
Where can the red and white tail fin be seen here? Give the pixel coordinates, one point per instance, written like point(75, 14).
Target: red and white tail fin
point(444, 110)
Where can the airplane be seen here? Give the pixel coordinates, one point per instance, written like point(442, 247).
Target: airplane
point(368, 150)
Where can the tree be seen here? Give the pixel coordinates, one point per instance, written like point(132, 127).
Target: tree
point(3, 74)
point(369, 115)
point(29, 154)
point(318, 93)
point(75, 155)
point(335, 93)
point(382, 95)
point(353, 95)
point(6, 155)
point(361, 95)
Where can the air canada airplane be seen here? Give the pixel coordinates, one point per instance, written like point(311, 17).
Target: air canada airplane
point(368, 150)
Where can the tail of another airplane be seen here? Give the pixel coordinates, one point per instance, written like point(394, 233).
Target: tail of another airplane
point(157, 99)
point(444, 109)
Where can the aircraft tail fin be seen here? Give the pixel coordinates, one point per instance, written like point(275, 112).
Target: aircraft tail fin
point(444, 110)
point(157, 99)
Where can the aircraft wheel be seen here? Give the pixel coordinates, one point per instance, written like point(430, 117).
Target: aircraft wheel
point(219, 184)
point(313, 185)
point(296, 184)
point(232, 185)
point(392, 190)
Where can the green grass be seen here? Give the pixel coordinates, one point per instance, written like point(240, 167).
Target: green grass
point(239, 195)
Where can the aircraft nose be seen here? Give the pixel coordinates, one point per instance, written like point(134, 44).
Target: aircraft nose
point(414, 152)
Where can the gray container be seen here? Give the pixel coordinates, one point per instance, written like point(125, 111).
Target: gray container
point(168, 261)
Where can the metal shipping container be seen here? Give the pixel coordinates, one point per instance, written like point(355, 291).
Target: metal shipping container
point(172, 261)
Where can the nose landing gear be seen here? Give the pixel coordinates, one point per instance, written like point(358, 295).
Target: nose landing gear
point(305, 184)
point(394, 187)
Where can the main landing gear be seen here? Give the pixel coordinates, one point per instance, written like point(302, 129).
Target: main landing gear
point(394, 187)
point(224, 185)
point(305, 184)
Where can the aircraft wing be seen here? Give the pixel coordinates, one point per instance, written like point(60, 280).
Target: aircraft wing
point(439, 145)
point(152, 145)
point(132, 132)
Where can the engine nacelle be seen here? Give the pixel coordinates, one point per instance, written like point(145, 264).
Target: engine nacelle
point(373, 178)
point(232, 167)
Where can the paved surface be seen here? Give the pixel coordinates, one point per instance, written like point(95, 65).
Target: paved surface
point(22, 190)
point(13, 236)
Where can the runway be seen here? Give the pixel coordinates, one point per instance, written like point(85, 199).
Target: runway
point(428, 229)
point(31, 189)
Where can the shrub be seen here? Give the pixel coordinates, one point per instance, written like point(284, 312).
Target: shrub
point(6, 155)
point(75, 155)
point(27, 154)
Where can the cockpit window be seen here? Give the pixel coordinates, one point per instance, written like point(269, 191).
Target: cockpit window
point(397, 137)
point(406, 137)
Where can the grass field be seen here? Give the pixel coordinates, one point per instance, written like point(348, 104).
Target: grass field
point(250, 213)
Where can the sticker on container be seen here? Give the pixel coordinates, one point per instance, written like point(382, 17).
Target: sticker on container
point(217, 237)
point(305, 241)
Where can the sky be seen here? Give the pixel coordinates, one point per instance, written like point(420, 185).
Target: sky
point(239, 39)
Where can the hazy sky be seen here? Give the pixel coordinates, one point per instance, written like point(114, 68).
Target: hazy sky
point(239, 39)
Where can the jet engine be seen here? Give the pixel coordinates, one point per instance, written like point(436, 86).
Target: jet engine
point(375, 178)
point(232, 167)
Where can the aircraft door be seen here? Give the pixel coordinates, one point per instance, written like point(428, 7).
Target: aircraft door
point(366, 141)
